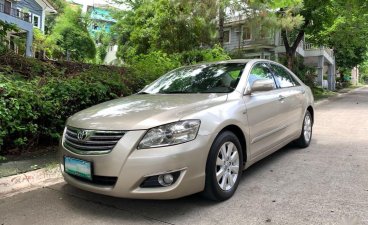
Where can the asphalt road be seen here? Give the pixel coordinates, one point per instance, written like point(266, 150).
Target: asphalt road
point(326, 183)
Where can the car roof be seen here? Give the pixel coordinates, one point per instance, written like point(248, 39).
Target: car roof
point(235, 61)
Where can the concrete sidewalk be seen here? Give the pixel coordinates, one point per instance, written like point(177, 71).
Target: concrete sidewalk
point(28, 181)
point(14, 165)
point(25, 173)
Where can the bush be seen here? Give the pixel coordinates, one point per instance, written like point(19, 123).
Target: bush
point(37, 97)
point(204, 55)
point(35, 105)
point(27, 67)
point(153, 65)
point(18, 111)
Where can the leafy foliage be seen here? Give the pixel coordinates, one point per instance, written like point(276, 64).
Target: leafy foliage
point(347, 33)
point(71, 37)
point(164, 25)
point(50, 20)
point(35, 105)
point(4, 29)
point(149, 67)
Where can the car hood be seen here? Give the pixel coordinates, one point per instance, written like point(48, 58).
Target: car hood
point(143, 111)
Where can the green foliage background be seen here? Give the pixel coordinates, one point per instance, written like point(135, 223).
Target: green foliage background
point(70, 36)
point(36, 101)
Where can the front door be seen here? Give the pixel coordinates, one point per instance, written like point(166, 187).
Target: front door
point(263, 112)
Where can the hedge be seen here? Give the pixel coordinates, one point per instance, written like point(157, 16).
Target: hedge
point(35, 105)
point(36, 97)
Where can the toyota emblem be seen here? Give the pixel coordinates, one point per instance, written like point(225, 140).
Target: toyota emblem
point(82, 135)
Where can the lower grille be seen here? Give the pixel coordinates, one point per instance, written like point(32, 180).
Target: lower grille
point(99, 180)
point(91, 142)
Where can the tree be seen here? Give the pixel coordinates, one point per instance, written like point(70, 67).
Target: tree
point(50, 20)
point(71, 37)
point(338, 24)
point(170, 26)
point(315, 15)
point(347, 34)
point(268, 15)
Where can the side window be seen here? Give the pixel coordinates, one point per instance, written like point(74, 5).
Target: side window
point(260, 72)
point(283, 77)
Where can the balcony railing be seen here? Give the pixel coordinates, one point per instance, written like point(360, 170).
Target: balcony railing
point(309, 46)
point(15, 13)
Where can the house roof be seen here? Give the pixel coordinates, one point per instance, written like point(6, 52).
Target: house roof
point(47, 6)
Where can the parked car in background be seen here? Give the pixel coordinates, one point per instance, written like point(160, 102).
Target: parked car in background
point(195, 129)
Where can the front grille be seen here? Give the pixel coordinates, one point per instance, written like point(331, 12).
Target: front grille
point(88, 142)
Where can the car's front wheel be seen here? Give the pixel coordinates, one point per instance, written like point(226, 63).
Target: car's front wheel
point(224, 167)
point(306, 136)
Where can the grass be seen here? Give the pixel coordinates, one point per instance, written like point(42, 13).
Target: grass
point(321, 93)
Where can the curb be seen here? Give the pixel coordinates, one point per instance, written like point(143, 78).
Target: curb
point(339, 95)
point(28, 181)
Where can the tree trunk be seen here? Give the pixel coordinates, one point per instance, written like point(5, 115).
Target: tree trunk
point(291, 50)
point(221, 23)
point(67, 55)
point(290, 61)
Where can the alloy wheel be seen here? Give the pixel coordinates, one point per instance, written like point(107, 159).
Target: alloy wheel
point(227, 166)
point(307, 128)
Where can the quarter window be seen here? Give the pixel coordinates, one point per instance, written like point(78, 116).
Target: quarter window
point(283, 78)
point(260, 72)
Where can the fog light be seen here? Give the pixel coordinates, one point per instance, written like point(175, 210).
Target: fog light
point(166, 179)
point(162, 180)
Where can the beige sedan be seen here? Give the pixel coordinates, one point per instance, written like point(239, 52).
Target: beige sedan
point(195, 129)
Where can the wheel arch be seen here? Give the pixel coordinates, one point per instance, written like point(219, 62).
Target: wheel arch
point(240, 135)
point(311, 111)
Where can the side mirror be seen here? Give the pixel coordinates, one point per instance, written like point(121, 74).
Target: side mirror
point(262, 85)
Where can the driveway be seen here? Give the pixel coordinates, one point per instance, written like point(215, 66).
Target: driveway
point(326, 183)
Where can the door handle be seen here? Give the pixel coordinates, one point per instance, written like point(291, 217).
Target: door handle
point(303, 92)
point(281, 97)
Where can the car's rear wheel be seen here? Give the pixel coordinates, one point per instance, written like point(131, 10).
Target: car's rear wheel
point(306, 136)
point(224, 167)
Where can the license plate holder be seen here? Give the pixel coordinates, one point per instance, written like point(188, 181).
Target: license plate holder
point(78, 167)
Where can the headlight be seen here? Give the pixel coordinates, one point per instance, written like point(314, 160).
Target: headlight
point(170, 134)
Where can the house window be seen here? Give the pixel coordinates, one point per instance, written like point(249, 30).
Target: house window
point(246, 33)
point(7, 7)
point(226, 36)
point(36, 21)
point(19, 12)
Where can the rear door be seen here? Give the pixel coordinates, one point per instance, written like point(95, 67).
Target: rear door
point(263, 112)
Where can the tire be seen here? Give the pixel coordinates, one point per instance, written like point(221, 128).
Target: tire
point(226, 158)
point(305, 137)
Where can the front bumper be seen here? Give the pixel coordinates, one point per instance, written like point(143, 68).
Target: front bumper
point(132, 167)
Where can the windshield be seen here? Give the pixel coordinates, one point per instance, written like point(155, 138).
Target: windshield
point(213, 78)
